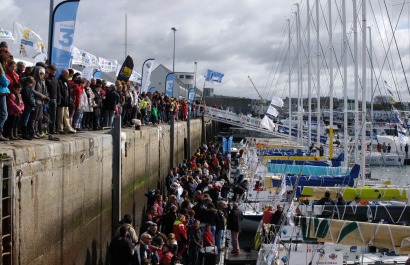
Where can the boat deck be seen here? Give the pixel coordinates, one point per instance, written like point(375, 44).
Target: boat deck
point(247, 257)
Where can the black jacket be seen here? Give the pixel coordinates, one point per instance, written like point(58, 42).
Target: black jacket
point(121, 250)
point(111, 100)
point(63, 96)
point(28, 98)
point(235, 218)
point(52, 87)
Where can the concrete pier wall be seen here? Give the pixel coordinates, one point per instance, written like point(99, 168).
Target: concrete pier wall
point(62, 192)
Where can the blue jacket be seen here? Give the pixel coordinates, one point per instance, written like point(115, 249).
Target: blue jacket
point(4, 82)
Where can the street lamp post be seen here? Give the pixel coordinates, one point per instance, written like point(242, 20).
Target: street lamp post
point(173, 58)
point(172, 125)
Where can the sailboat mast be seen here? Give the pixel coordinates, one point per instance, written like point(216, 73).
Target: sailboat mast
point(345, 132)
point(318, 73)
point(363, 138)
point(126, 37)
point(309, 76)
point(330, 64)
point(290, 79)
point(356, 81)
point(300, 113)
point(371, 86)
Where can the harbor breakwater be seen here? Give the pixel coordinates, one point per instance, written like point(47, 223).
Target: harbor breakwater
point(58, 196)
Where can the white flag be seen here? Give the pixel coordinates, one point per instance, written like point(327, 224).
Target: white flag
point(135, 77)
point(403, 139)
point(106, 65)
point(267, 124)
point(6, 34)
point(272, 111)
point(30, 42)
point(146, 74)
point(40, 57)
point(81, 57)
point(88, 72)
point(277, 102)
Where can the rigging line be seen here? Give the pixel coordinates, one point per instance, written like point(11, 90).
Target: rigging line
point(397, 47)
point(324, 61)
point(278, 76)
point(279, 61)
point(386, 52)
point(375, 59)
point(275, 60)
point(394, 72)
point(391, 65)
point(390, 59)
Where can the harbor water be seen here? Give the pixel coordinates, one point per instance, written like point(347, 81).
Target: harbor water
point(398, 175)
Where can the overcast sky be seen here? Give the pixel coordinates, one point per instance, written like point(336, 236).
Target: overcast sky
point(235, 37)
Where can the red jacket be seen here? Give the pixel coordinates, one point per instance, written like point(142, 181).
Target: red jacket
point(13, 77)
point(179, 229)
point(208, 239)
point(77, 91)
point(166, 258)
point(267, 215)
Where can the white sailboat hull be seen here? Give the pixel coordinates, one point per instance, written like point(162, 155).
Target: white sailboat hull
point(378, 159)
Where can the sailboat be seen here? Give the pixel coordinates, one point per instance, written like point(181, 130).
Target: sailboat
point(328, 240)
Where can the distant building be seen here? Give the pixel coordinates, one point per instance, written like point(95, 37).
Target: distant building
point(183, 81)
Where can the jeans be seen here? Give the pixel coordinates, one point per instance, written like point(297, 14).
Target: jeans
point(3, 112)
point(193, 254)
point(108, 117)
point(219, 238)
point(78, 116)
point(52, 110)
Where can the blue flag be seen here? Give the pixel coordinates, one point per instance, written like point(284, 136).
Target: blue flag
point(396, 116)
point(169, 85)
point(214, 77)
point(62, 33)
point(97, 74)
point(230, 140)
point(224, 145)
point(191, 94)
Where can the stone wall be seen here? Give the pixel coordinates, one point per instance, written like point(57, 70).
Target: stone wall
point(63, 190)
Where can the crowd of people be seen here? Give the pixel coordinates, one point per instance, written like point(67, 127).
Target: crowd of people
point(192, 214)
point(35, 102)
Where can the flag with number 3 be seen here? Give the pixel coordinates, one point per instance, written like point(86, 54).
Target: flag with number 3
point(62, 37)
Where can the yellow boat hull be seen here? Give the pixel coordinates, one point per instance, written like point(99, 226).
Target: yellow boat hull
point(349, 193)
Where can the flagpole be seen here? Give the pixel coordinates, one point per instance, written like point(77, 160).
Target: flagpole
point(126, 38)
point(50, 25)
point(203, 88)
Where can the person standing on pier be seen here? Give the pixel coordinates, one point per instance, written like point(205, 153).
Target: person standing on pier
point(52, 90)
point(234, 224)
point(195, 242)
point(64, 103)
point(121, 248)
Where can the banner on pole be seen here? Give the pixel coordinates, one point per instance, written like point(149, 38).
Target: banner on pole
point(146, 74)
point(62, 33)
point(126, 69)
point(169, 85)
point(191, 94)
